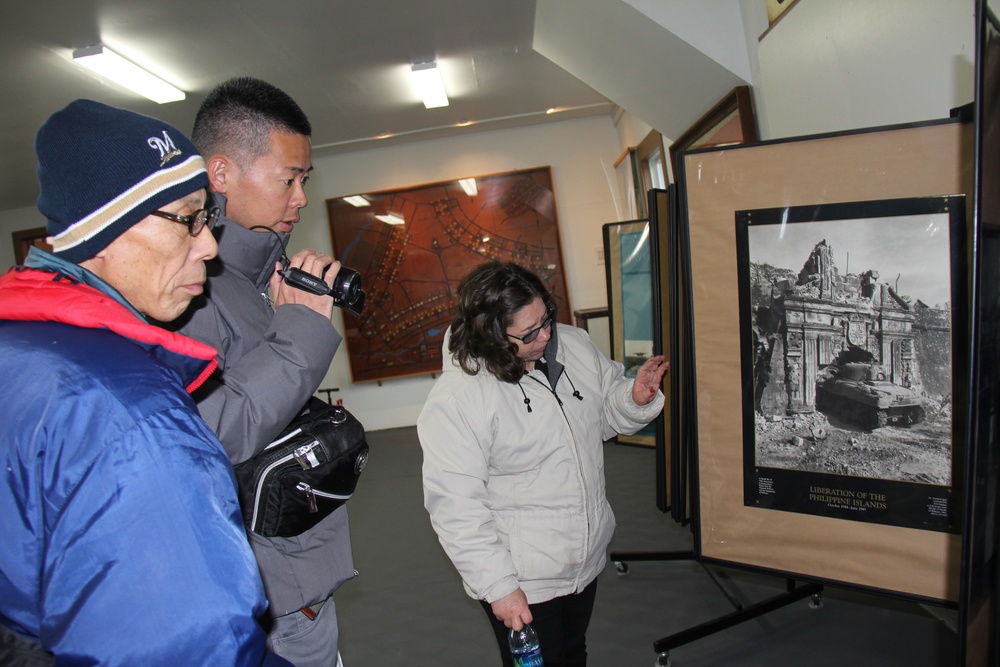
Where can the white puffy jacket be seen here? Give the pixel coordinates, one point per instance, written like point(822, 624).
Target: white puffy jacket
point(516, 496)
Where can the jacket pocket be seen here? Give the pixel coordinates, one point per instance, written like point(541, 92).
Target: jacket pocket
point(548, 544)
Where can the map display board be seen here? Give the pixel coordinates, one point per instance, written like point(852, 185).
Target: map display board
point(413, 246)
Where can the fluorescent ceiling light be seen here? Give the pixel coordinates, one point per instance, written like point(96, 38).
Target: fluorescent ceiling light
point(469, 185)
point(356, 200)
point(391, 219)
point(112, 66)
point(428, 80)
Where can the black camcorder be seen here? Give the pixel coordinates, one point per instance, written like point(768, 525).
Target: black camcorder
point(346, 290)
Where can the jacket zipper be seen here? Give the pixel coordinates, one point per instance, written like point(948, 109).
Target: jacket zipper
point(586, 546)
point(550, 389)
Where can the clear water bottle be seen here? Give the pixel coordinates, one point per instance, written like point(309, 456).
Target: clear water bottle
point(524, 648)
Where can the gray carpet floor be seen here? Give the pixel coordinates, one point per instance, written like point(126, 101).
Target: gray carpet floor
point(407, 606)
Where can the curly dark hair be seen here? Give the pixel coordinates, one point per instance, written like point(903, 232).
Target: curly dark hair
point(238, 116)
point(488, 298)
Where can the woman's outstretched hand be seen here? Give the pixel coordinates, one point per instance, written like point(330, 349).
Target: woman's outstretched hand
point(648, 379)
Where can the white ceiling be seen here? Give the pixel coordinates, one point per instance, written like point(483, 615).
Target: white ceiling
point(346, 62)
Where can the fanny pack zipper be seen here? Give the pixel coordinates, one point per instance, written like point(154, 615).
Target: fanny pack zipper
point(306, 459)
point(311, 494)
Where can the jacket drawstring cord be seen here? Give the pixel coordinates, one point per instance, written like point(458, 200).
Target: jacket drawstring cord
point(576, 392)
point(527, 401)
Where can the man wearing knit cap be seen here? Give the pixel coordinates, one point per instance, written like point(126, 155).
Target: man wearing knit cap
point(122, 540)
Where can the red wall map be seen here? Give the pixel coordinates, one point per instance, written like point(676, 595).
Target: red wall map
point(411, 271)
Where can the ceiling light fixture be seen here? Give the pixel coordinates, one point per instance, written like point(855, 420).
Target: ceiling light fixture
point(112, 66)
point(469, 185)
point(391, 219)
point(357, 200)
point(428, 79)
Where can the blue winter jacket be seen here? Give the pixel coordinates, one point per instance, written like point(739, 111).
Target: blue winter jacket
point(122, 542)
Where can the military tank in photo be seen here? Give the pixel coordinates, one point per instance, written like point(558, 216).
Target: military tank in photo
point(858, 395)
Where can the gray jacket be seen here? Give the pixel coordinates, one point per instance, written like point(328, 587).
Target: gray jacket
point(270, 363)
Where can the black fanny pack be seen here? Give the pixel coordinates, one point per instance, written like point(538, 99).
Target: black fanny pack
point(309, 471)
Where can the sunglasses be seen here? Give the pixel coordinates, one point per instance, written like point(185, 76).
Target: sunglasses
point(530, 337)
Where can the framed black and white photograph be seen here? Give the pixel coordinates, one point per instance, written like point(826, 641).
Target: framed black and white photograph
point(780, 529)
point(847, 318)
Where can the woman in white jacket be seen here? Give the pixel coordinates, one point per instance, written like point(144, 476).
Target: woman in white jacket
point(512, 435)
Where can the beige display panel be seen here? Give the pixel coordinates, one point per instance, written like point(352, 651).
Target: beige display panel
point(914, 161)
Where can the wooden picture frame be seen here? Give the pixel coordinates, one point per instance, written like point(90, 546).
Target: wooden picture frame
point(28, 238)
point(979, 638)
point(777, 8)
point(412, 247)
point(919, 160)
point(631, 304)
point(651, 158)
point(730, 121)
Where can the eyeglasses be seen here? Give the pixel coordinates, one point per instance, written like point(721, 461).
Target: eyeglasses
point(530, 337)
point(197, 221)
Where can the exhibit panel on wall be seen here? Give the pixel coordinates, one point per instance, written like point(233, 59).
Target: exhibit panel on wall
point(631, 303)
point(776, 319)
point(978, 612)
point(731, 121)
point(637, 268)
point(413, 246)
point(675, 301)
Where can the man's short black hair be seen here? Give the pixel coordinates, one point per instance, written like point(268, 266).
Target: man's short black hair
point(238, 116)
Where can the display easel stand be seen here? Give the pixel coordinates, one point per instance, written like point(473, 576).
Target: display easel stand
point(793, 593)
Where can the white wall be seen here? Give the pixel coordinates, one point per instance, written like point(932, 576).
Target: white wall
point(850, 64)
point(714, 28)
point(574, 150)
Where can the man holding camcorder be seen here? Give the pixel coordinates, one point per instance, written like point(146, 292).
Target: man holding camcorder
point(275, 341)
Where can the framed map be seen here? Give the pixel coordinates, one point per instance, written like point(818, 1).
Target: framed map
point(413, 246)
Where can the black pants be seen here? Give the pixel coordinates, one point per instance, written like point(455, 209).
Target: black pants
point(561, 624)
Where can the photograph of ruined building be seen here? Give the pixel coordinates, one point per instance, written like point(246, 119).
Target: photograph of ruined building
point(851, 357)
